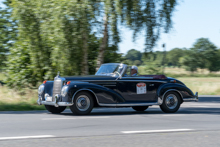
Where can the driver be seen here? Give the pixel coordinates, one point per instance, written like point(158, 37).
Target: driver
point(134, 71)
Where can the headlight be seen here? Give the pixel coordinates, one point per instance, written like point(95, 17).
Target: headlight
point(64, 91)
point(40, 89)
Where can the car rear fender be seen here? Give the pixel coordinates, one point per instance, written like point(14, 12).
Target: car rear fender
point(182, 90)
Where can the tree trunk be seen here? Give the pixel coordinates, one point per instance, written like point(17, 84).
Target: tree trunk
point(85, 54)
point(103, 44)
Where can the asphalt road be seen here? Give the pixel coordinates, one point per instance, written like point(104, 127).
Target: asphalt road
point(196, 124)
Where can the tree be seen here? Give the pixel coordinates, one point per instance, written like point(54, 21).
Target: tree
point(154, 58)
point(133, 55)
point(54, 35)
point(110, 20)
point(149, 16)
point(190, 62)
point(203, 54)
point(206, 54)
point(137, 62)
point(111, 55)
point(174, 55)
point(8, 31)
point(138, 15)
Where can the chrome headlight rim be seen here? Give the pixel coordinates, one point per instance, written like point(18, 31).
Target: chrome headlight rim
point(41, 89)
point(64, 91)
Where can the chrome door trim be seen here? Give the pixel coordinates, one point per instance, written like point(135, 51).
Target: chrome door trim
point(129, 105)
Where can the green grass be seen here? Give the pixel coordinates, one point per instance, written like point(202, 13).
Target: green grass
point(179, 72)
point(11, 100)
point(25, 106)
point(203, 85)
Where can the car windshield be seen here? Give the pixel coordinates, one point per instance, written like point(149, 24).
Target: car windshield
point(110, 69)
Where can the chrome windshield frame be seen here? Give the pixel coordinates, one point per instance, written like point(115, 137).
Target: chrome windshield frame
point(121, 73)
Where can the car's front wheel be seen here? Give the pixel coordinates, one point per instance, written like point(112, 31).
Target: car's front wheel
point(171, 102)
point(54, 109)
point(83, 103)
point(140, 108)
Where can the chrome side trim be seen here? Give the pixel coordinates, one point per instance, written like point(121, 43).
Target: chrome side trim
point(84, 89)
point(129, 105)
point(169, 91)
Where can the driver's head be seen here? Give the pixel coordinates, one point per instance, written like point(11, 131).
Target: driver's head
point(134, 70)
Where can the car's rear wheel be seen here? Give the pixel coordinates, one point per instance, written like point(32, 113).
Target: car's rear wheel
point(83, 103)
point(54, 109)
point(171, 102)
point(140, 108)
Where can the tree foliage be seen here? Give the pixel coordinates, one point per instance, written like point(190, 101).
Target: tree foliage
point(8, 31)
point(173, 56)
point(203, 54)
point(66, 35)
point(149, 16)
point(133, 55)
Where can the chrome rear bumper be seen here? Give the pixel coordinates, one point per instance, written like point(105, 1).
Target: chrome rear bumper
point(195, 98)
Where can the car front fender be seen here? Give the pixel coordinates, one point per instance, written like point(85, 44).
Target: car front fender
point(102, 94)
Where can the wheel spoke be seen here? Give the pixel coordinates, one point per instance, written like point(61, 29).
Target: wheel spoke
point(82, 103)
point(171, 101)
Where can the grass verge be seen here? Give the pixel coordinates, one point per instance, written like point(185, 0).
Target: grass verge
point(11, 100)
point(202, 85)
point(4, 106)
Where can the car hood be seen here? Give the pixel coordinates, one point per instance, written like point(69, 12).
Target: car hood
point(90, 78)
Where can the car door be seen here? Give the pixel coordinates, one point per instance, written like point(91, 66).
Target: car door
point(138, 89)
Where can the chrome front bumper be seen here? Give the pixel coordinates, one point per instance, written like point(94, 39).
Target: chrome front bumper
point(53, 103)
point(194, 99)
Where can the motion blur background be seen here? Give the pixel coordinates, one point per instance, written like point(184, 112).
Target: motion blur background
point(40, 38)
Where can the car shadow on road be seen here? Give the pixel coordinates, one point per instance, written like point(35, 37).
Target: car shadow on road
point(150, 111)
point(125, 111)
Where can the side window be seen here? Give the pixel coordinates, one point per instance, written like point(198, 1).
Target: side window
point(127, 72)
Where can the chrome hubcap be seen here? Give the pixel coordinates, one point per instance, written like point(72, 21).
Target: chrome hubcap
point(171, 101)
point(82, 102)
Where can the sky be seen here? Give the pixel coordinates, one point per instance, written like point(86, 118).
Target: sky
point(192, 19)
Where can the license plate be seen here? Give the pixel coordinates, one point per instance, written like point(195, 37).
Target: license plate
point(48, 99)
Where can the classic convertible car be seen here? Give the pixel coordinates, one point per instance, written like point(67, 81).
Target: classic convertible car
point(112, 86)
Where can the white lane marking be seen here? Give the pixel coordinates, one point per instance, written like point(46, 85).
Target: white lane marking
point(26, 137)
point(73, 118)
point(156, 131)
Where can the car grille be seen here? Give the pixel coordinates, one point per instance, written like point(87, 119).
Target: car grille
point(57, 85)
